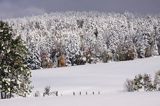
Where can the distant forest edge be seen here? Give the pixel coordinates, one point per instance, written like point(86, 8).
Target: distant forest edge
point(77, 38)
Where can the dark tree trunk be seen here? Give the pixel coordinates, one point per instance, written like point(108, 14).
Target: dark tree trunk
point(3, 95)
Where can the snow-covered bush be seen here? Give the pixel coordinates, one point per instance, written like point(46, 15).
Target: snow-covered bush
point(148, 83)
point(106, 56)
point(45, 61)
point(78, 60)
point(37, 94)
point(129, 85)
point(157, 80)
point(141, 82)
point(126, 51)
point(47, 90)
point(138, 82)
point(135, 84)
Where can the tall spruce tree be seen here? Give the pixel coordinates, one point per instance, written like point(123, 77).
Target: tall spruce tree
point(14, 73)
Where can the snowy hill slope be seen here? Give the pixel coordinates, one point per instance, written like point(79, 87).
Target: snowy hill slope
point(108, 79)
point(103, 77)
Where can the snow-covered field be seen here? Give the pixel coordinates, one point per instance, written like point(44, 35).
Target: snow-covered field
point(107, 79)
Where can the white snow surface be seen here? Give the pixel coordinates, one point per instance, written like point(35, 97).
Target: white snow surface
point(106, 78)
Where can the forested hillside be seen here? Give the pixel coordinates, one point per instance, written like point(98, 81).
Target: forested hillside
point(76, 38)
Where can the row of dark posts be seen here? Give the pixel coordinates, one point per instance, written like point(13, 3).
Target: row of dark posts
point(80, 93)
point(86, 93)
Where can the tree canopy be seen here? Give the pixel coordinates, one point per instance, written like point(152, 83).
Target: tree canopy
point(14, 73)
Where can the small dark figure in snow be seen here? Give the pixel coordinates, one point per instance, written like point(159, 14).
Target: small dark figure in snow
point(74, 93)
point(56, 93)
point(93, 93)
point(98, 93)
point(86, 93)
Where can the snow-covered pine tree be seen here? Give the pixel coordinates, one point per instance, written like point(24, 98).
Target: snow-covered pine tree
point(14, 73)
point(147, 83)
point(138, 82)
point(98, 31)
point(33, 58)
point(157, 80)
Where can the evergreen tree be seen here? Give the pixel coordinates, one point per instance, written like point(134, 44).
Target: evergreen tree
point(33, 59)
point(14, 73)
point(157, 80)
point(147, 83)
point(138, 82)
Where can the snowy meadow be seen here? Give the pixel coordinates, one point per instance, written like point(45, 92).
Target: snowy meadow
point(106, 78)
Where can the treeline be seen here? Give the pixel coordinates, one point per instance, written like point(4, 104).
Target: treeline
point(76, 38)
